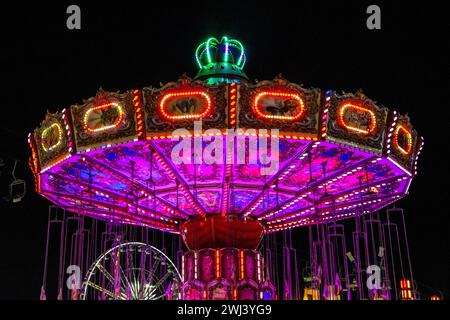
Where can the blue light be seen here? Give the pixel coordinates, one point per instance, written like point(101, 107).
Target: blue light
point(111, 156)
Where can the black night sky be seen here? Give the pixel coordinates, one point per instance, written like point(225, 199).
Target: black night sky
point(404, 66)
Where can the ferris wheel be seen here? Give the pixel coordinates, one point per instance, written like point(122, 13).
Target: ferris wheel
point(132, 271)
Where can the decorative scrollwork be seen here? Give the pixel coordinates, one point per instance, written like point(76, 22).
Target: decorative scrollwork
point(288, 107)
point(404, 142)
point(179, 104)
point(355, 119)
point(106, 118)
point(51, 138)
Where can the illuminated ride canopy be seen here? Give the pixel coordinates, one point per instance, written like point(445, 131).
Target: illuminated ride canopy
point(339, 154)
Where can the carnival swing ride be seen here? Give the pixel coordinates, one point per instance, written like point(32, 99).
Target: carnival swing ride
point(189, 160)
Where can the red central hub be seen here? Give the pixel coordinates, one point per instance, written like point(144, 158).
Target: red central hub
point(221, 232)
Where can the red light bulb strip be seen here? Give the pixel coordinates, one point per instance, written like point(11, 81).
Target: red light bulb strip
point(139, 114)
point(46, 132)
point(408, 135)
point(232, 98)
point(260, 114)
point(118, 121)
point(166, 97)
point(348, 106)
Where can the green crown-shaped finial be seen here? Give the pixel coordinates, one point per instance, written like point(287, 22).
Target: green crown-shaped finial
point(222, 59)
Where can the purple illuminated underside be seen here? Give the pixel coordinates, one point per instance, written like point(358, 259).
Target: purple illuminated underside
point(137, 183)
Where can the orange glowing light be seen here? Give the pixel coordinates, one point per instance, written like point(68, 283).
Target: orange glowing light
point(406, 290)
point(106, 106)
point(300, 109)
point(217, 263)
point(48, 131)
point(139, 116)
point(408, 140)
point(168, 96)
point(232, 102)
point(241, 264)
point(350, 106)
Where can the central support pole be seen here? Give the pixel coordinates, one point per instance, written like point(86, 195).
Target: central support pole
point(222, 262)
